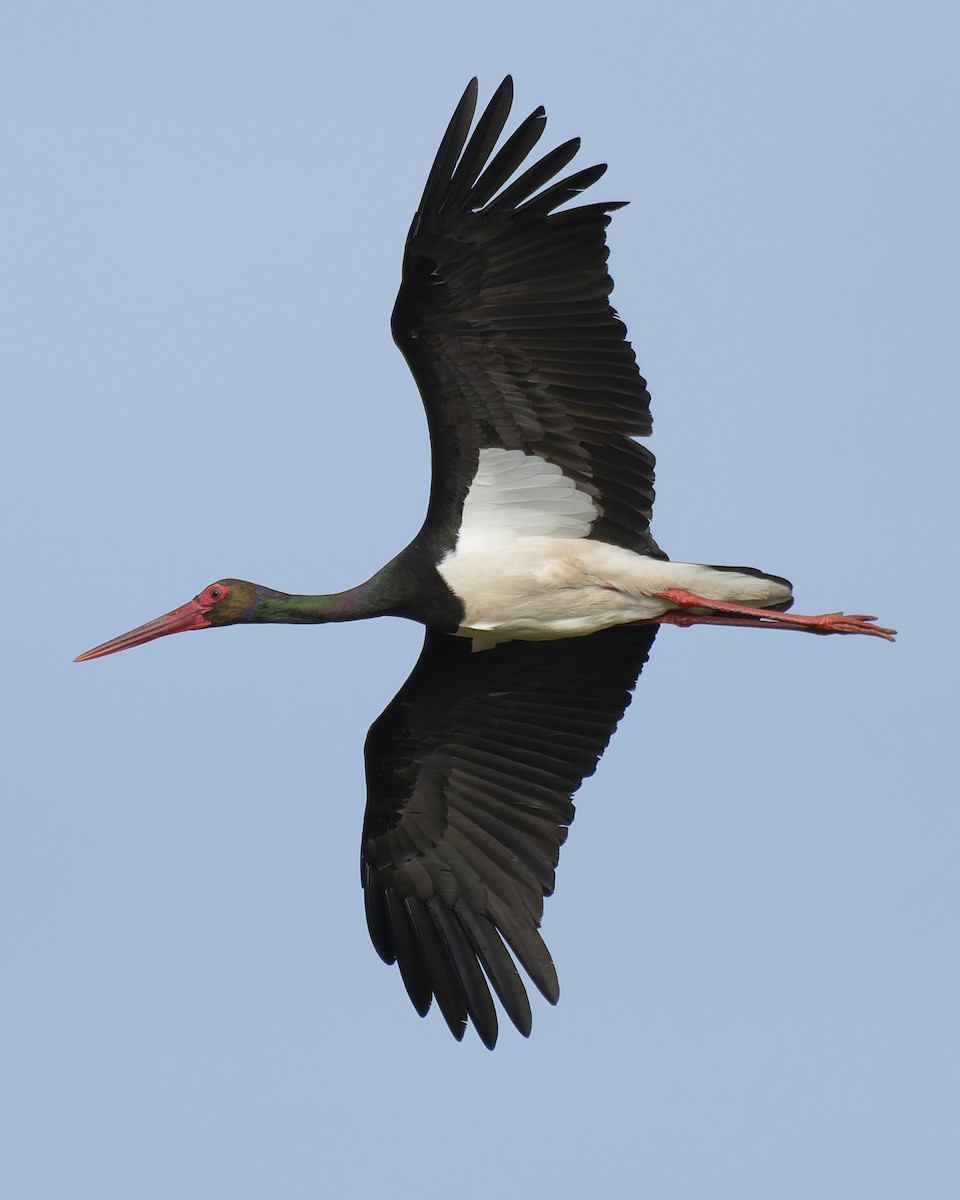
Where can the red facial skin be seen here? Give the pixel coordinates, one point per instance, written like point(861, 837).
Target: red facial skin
point(192, 615)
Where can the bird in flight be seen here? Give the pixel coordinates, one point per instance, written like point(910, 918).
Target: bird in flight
point(535, 574)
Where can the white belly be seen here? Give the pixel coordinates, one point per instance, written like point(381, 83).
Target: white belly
point(538, 588)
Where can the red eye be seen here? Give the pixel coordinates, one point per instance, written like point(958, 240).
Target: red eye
point(215, 592)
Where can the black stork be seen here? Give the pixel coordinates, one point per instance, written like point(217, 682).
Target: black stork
point(535, 574)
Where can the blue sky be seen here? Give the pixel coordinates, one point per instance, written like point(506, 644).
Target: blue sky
point(756, 917)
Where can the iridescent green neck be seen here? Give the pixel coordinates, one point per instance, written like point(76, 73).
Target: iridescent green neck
point(280, 609)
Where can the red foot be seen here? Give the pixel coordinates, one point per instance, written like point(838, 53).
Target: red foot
point(746, 617)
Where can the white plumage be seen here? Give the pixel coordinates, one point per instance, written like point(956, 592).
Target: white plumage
point(524, 567)
point(524, 494)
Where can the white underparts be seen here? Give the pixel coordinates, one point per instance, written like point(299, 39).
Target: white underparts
point(524, 568)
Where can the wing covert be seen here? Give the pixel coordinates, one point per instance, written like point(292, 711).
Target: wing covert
point(471, 771)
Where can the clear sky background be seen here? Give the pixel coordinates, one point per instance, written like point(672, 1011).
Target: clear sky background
point(756, 922)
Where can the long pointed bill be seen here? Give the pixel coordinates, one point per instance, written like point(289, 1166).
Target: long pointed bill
point(191, 615)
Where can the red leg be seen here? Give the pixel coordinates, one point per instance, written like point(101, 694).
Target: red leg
point(745, 616)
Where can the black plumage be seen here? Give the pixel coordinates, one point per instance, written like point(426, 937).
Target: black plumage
point(470, 774)
point(504, 319)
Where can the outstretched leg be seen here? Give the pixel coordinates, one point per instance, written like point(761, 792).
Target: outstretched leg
point(720, 612)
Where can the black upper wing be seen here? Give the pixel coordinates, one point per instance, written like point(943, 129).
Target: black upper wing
point(470, 774)
point(504, 320)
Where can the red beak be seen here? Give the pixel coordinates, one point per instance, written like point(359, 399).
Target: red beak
point(191, 615)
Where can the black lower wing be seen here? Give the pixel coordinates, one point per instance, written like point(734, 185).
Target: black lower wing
point(471, 771)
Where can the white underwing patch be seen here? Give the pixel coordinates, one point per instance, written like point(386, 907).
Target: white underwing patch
point(525, 495)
